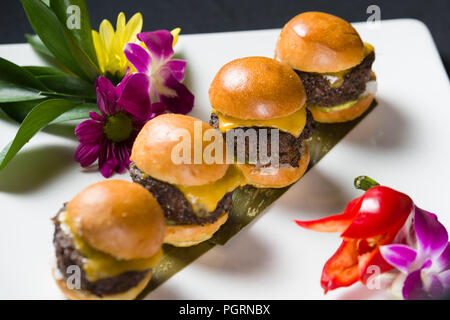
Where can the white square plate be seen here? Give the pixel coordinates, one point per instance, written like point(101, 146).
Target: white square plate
point(403, 143)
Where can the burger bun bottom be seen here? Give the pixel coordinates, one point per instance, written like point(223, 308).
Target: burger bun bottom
point(267, 177)
point(74, 294)
point(191, 235)
point(344, 115)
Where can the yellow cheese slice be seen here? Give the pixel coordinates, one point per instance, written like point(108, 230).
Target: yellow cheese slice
point(368, 48)
point(207, 196)
point(293, 123)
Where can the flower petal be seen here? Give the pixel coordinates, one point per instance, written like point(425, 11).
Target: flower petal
point(135, 98)
point(106, 160)
point(398, 255)
point(159, 44)
point(157, 109)
point(178, 68)
point(89, 131)
point(413, 287)
point(133, 27)
point(444, 277)
point(432, 236)
point(120, 27)
point(435, 288)
point(86, 154)
point(183, 101)
point(121, 85)
point(95, 116)
point(100, 51)
point(106, 96)
point(443, 262)
point(175, 32)
point(106, 34)
point(123, 157)
point(138, 57)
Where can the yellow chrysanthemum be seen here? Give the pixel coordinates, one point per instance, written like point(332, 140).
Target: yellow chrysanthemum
point(109, 44)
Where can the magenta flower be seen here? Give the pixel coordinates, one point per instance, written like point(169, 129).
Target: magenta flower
point(425, 258)
point(109, 136)
point(158, 74)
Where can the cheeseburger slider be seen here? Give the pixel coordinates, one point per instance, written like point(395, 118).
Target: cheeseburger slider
point(107, 240)
point(195, 195)
point(263, 98)
point(333, 63)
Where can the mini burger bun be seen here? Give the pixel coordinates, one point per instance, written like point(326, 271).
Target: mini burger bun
point(319, 42)
point(256, 88)
point(190, 235)
point(162, 136)
point(74, 294)
point(119, 218)
point(344, 115)
point(276, 178)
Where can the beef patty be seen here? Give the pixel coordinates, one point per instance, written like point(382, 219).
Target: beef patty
point(177, 209)
point(319, 93)
point(67, 255)
point(290, 148)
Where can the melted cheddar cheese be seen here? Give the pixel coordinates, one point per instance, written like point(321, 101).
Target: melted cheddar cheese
point(293, 123)
point(99, 265)
point(336, 79)
point(206, 197)
point(368, 49)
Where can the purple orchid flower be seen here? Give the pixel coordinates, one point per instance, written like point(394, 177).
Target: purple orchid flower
point(109, 136)
point(158, 74)
point(424, 260)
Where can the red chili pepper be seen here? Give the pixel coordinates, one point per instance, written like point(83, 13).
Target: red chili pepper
point(382, 209)
point(341, 270)
point(335, 223)
point(367, 223)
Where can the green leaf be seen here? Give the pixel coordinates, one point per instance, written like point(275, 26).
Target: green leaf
point(4, 152)
point(43, 71)
point(21, 77)
point(37, 119)
point(10, 92)
point(69, 85)
point(47, 26)
point(77, 113)
point(18, 84)
point(40, 48)
point(19, 110)
point(38, 45)
point(84, 61)
point(69, 15)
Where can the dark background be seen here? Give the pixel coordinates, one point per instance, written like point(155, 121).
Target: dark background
point(199, 16)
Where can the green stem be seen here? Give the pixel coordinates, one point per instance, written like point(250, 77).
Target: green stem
point(365, 183)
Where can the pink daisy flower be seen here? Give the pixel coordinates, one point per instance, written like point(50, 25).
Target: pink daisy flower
point(109, 136)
